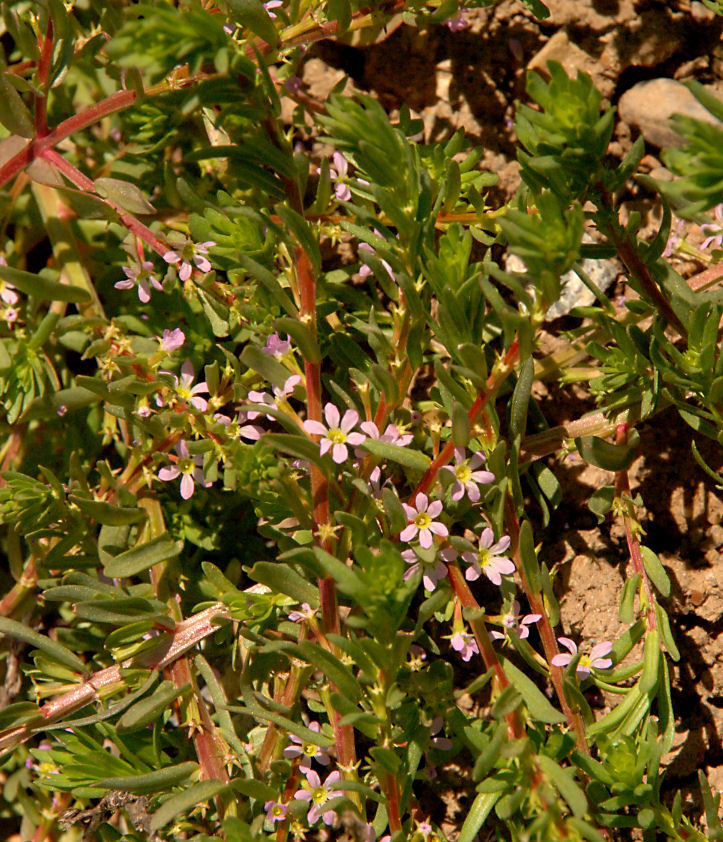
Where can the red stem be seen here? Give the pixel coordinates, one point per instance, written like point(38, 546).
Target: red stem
point(41, 102)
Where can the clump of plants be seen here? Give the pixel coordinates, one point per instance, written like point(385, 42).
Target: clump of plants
point(269, 514)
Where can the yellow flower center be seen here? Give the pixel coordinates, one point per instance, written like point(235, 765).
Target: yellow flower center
point(183, 392)
point(484, 558)
point(185, 466)
point(336, 436)
point(318, 795)
point(309, 749)
point(463, 473)
point(422, 520)
point(277, 810)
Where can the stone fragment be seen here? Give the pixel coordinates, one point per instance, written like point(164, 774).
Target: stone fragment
point(650, 105)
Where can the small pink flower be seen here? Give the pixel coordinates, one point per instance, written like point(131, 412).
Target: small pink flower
point(595, 660)
point(364, 269)
point(272, 4)
point(172, 340)
point(465, 475)
point(188, 254)
point(142, 277)
point(275, 345)
point(306, 613)
point(276, 811)
point(489, 559)
point(714, 229)
point(238, 429)
point(288, 388)
point(307, 751)
point(432, 571)
point(318, 794)
point(513, 623)
point(458, 23)
point(422, 521)
point(190, 469)
point(391, 435)
point(7, 290)
point(338, 175)
point(338, 434)
point(187, 392)
point(465, 644)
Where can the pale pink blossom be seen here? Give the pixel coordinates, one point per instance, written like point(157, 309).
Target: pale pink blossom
point(457, 23)
point(7, 290)
point(141, 276)
point(365, 270)
point(466, 478)
point(306, 613)
point(187, 254)
point(306, 750)
point(422, 523)
point(338, 434)
point(392, 434)
point(272, 4)
point(318, 794)
point(465, 644)
point(172, 340)
point(287, 389)
point(432, 571)
point(338, 175)
point(189, 468)
point(714, 229)
point(276, 811)
point(489, 559)
point(238, 429)
point(187, 391)
point(595, 660)
point(276, 346)
point(512, 622)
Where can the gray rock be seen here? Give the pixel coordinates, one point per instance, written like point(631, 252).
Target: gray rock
point(650, 105)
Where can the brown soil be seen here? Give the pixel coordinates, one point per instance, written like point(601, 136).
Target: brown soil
point(470, 80)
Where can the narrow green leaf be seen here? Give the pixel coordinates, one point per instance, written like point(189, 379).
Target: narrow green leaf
point(52, 648)
point(303, 337)
point(655, 571)
point(201, 791)
point(107, 513)
point(666, 632)
point(339, 674)
point(125, 194)
point(528, 556)
point(565, 784)
point(479, 811)
point(394, 453)
point(142, 556)
point(160, 780)
point(609, 457)
point(43, 287)
point(149, 710)
point(283, 579)
point(14, 114)
point(521, 399)
point(536, 702)
point(253, 15)
point(265, 365)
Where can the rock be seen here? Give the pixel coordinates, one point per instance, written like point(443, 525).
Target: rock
point(560, 48)
point(650, 105)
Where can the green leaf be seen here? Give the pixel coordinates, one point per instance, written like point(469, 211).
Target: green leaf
point(52, 648)
point(394, 453)
point(528, 557)
point(265, 365)
point(536, 702)
point(479, 811)
point(303, 337)
point(565, 784)
point(14, 114)
point(609, 457)
point(655, 571)
point(18, 714)
point(149, 710)
point(338, 673)
point(665, 632)
point(123, 193)
point(521, 399)
point(42, 286)
point(283, 579)
point(107, 513)
point(199, 792)
point(253, 15)
point(142, 556)
point(601, 502)
point(160, 780)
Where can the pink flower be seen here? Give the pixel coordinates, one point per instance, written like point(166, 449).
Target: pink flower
point(715, 229)
point(7, 290)
point(338, 434)
point(422, 521)
point(142, 277)
point(187, 253)
point(237, 429)
point(188, 392)
point(432, 571)
point(306, 613)
point(512, 623)
point(275, 345)
point(489, 559)
point(674, 240)
point(365, 270)
point(391, 435)
point(465, 644)
point(595, 660)
point(288, 388)
point(262, 398)
point(189, 469)
point(318, 794)
point(172, 340)
point(276, 811)
point(307, 750)
point(272, 4)
point(458, 23)
point(338, 174)
point(466, 477)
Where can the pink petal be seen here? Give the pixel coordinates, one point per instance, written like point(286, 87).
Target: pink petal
point(302, 795)
point(324, 446)
point(502, 545)
point(561, 660)
point(171, 257)
point(331, 413)
point(602, 649)
point(186, 271)
point(568, 644)
point(409, 511)
point(493, 575)
point(313, 778)
point(316, 428)
point(435, 508)
point(486, 538)
point(602, 663)
point(370, 428)
point(438, 529)
point(473, 492)
point(421, 502)
point(168, 473)
point(356, 438)
point(339, 453)
point(199, 403)
point(203, 263)
point(187, 486)
point(425, 538)
point(349, 421)
point(471, 574)
point(409, 533)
